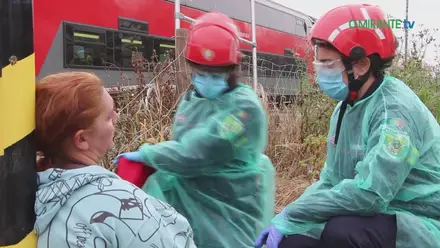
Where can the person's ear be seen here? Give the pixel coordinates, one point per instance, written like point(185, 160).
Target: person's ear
point(361, 67)
point(80, 140)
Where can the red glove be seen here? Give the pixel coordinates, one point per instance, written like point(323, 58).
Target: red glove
point(134, 172)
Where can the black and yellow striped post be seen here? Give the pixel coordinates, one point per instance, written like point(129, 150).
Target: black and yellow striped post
point(18, 181)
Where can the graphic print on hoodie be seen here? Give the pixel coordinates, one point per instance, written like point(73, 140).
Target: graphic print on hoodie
point(92, 207)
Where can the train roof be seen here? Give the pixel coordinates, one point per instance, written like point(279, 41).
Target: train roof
point(268, 13)
point(285, 9)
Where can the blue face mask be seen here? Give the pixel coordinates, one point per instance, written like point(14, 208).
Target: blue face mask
point(210, 86)
point(332, 84)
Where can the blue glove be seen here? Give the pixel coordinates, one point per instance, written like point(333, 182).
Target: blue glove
point(270, 237)
point(133, 156)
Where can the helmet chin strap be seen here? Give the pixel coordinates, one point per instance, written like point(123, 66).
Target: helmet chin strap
point(354, 86)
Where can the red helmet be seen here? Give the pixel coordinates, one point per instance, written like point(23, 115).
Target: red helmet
point(340, 28)
point(213, 40)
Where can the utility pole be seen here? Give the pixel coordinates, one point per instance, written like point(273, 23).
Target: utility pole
point(406, 33)
point(18, 178)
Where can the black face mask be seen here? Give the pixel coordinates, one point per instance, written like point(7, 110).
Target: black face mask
point(354, 85)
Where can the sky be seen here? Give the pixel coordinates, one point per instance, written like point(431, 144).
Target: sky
point(426, 12)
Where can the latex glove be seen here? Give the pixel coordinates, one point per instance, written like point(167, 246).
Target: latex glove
point(270, 237)
point(133, 156)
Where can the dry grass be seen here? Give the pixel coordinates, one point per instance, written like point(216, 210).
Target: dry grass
point(298, 156)
point(297, 132)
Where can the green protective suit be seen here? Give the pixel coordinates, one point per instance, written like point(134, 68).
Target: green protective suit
point(214, 171)
point(387, 160)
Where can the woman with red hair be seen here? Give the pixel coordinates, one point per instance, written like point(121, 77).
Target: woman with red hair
point(78, 202)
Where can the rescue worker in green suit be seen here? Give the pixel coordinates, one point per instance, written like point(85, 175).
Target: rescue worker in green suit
point(214, 171)
point(380, 185)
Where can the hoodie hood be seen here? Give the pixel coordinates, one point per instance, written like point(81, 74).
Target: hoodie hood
point(56, 186)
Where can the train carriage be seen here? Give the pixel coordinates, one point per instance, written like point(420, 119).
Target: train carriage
point(42, 37)
point(103, 36)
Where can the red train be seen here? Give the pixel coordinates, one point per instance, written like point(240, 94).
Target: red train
point(102, 35)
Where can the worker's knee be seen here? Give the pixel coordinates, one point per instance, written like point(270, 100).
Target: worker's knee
point(357, 231)
point(339, 232)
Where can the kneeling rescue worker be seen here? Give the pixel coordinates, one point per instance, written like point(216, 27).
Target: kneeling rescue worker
point(380, 185)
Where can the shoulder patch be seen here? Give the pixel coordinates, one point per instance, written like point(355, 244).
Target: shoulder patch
point(397, 145)
point(230, 127)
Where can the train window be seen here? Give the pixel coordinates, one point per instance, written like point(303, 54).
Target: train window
point(273, 18)
point(280, 65)
point(164, 49)
point(300, 27)
point(129, 49)
point(132, 25)
point(271, 65)
point(263, 14)
point(285, 66)
point(149, 48)
point(279, 20)
point(277, 65)
point(201, 4)
point(287, 69)
point(84, 46)
point(241, 10)
point(110, 42)
point(263, 64)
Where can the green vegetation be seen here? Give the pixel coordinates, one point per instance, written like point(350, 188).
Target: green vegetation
point(297, 133)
